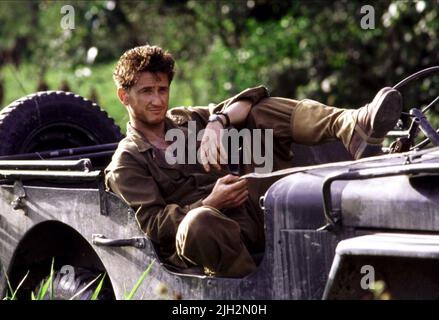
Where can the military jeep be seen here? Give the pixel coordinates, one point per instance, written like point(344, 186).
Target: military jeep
point(335, 228)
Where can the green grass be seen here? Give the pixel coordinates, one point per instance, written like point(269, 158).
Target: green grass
point(47, 286)
point(133, 291)
point(11, 294)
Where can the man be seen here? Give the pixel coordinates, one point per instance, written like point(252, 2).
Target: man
point(199, 215)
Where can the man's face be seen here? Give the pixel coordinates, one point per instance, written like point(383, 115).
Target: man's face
point(147, 100)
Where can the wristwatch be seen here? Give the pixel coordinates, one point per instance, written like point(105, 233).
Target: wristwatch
point(217, 117)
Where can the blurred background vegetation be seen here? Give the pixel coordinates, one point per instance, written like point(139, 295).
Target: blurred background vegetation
point(298, 49)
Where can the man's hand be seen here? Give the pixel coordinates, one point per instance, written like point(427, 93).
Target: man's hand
point(228, 192)
point(212, 152)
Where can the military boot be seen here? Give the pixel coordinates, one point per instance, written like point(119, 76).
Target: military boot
point(373, 122)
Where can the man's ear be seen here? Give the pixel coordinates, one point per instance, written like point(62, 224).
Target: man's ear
point(123, 95)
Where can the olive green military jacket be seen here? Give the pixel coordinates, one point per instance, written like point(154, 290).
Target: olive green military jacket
point(161, 193)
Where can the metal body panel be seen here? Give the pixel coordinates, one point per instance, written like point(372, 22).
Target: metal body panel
point(297, 199)
point(79, 209)
point(395, 244)
point(406, 264)
point(306, 258)
point(399, 202)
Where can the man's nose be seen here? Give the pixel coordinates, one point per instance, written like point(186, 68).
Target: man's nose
point(156, 98)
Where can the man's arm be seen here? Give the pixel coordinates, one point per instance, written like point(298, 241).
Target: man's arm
point(237, 112)
point(237, 109)
point(201, 114)
point(251, 95)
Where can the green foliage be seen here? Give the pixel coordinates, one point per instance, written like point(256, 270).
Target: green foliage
point(88, 285)
point(133, 291)
point(380, 291)
point(47, 284)
point(11, 294)
point(298, 49)
point(98, 289)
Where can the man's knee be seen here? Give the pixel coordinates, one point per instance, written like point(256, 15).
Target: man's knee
point(196, 220)
point(205, 229)
point(197, 226)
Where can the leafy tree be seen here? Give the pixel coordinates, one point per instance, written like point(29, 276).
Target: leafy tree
point(314, 49)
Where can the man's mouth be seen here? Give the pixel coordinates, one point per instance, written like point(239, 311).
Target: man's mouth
point(155, 110)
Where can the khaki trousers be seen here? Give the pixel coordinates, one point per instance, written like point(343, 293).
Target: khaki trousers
point(221, 242)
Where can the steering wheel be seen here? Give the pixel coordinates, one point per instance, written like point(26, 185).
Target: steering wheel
point(419, 121)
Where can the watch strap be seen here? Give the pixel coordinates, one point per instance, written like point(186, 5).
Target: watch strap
point(216, 117)
point(227, 118)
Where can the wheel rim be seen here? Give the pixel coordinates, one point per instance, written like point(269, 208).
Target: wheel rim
point(57, 136)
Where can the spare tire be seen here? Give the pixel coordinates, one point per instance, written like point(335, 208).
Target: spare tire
point(52, 120)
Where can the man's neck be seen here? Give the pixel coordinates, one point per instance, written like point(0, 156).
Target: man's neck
point(152, 133)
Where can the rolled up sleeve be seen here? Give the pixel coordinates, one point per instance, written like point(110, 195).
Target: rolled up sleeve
point(254, 95)
point(201, 114)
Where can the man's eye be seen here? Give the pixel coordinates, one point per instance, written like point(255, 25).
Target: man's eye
point(163, 90)
point(147, 90)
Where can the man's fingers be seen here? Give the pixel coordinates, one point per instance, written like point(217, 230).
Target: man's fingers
point(216, 155)
point(242, 201)
point(241, 194)
point(238, 185)
point(230, 178)
point(216, 166)
point(223, 154)
point(235, 192)
point(210, 149)
point(233, 201)
point(204, 159)
point(241, 198)
point(213, 157)
point(206, 155)
point(219, 158)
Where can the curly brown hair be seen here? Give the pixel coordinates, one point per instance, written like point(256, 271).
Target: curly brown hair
point(139, 59)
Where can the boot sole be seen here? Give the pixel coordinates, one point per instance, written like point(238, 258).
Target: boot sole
point(389, 108)
point(389, 111)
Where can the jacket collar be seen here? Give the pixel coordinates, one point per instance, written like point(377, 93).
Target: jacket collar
point(139, 139)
